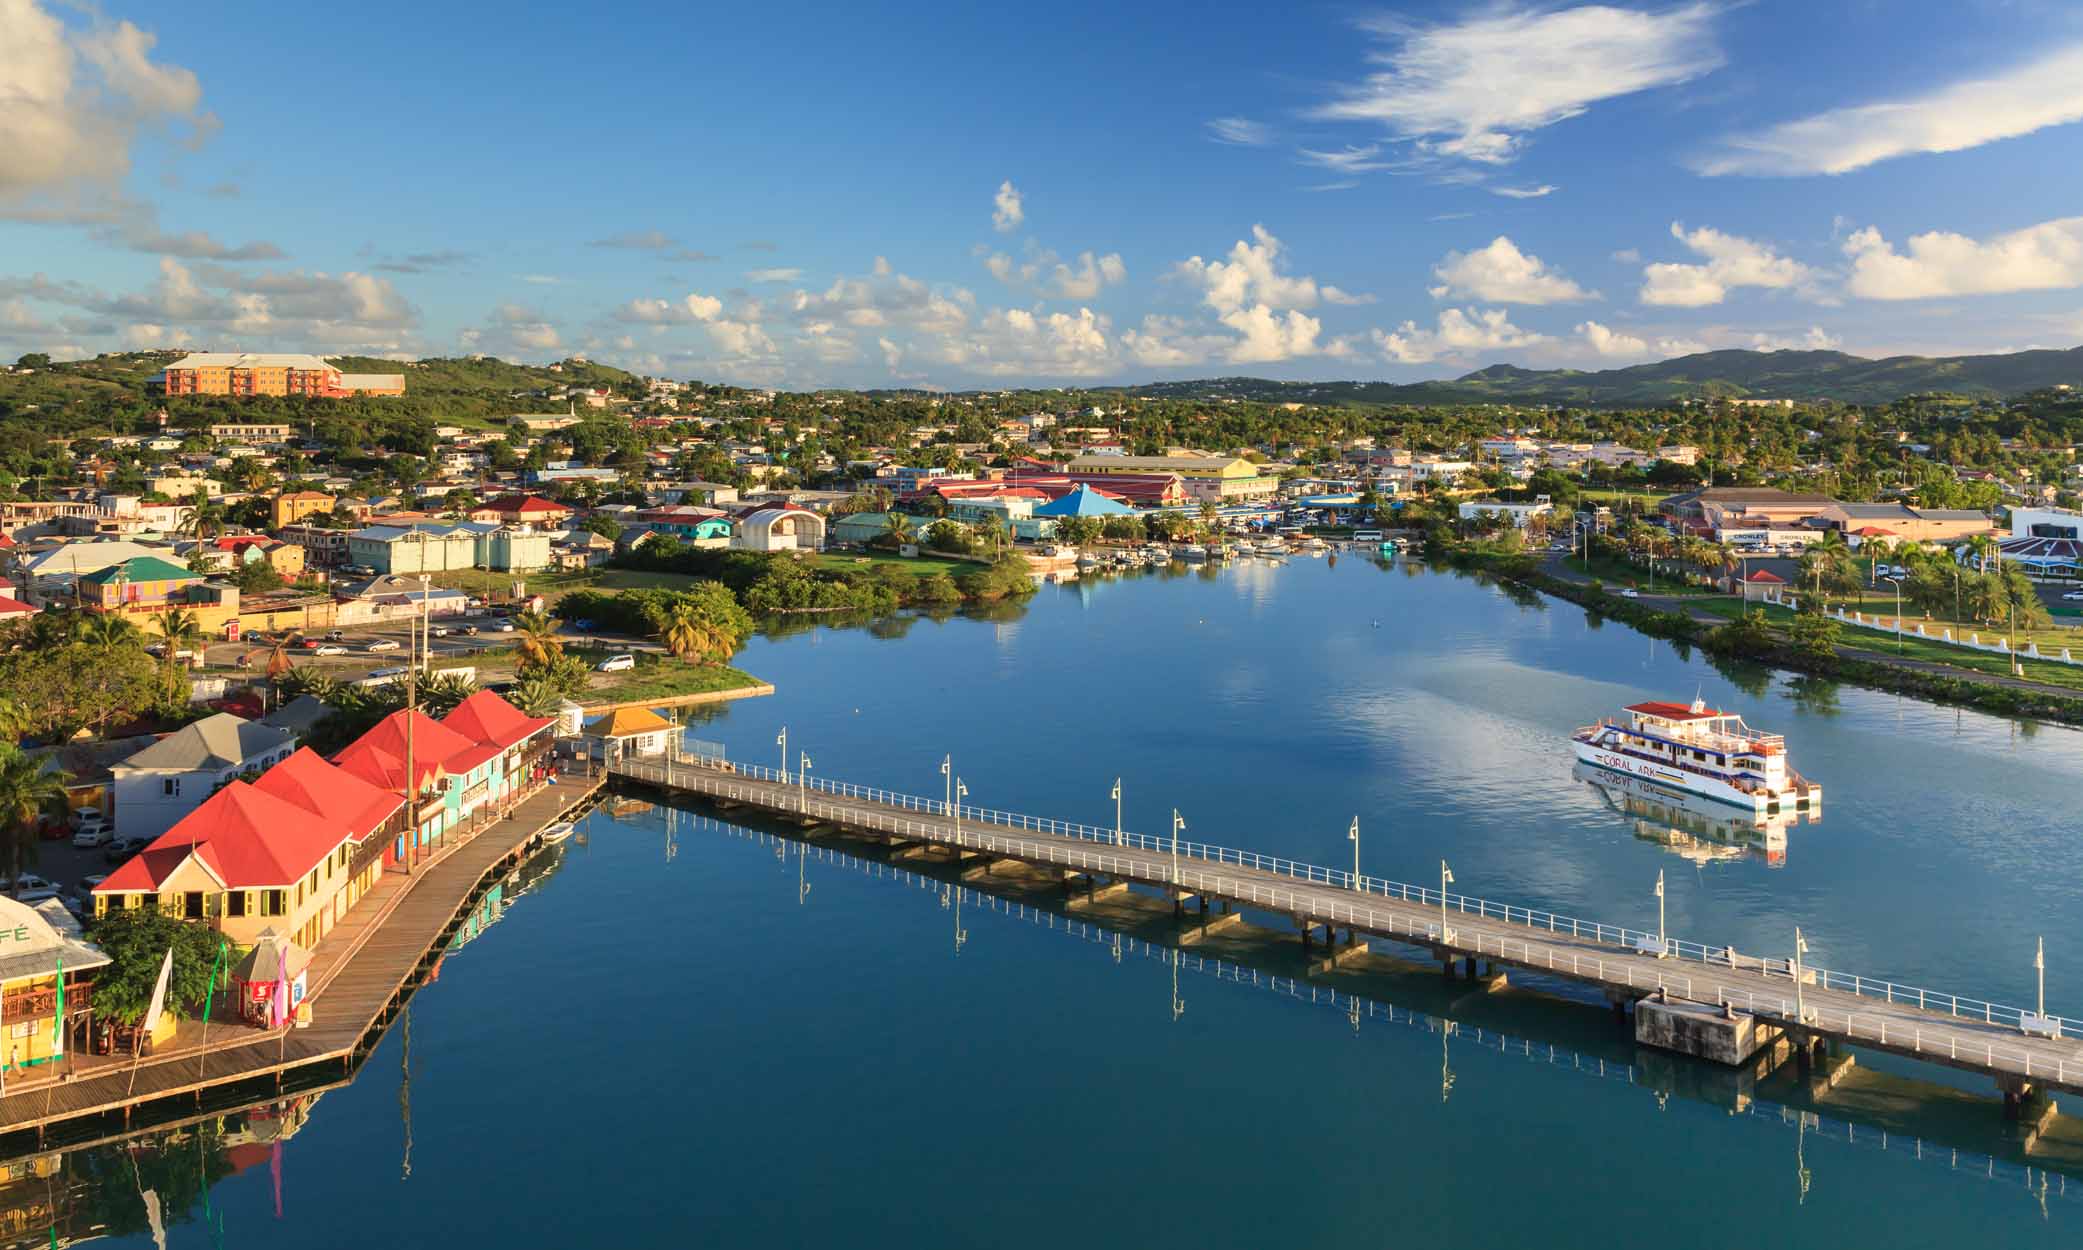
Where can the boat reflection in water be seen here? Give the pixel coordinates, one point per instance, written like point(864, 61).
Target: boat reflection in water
point(1699, 829)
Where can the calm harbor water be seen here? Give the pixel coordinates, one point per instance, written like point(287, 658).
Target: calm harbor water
point(685, 1032)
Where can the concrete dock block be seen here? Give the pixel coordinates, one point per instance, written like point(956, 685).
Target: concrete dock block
point(1701, 1030)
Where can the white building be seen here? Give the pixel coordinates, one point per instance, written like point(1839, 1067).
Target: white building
point(1519, 514)
point(2046, 523)
point(164, 782)
point(787, 528)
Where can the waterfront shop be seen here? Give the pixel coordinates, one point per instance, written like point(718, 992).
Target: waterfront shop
point(269, 983)
point(37, 1012)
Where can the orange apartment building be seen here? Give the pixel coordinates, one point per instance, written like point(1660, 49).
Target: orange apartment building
point(245, 374)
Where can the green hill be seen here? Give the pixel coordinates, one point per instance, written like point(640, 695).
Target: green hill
point(1734, 374)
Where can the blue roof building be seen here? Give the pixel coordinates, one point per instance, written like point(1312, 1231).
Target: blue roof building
point(1084, 501)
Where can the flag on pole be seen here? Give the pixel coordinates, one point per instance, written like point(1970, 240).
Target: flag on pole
point(215, 964)
point(279, 1014)
point(166, 970)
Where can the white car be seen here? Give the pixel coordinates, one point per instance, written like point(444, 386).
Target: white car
point(92, 833)
point(2072, 594)
point(30, 888)
point(503, 627)
point(617, 664)
point(384, 644)
point(331, 648)
point(1630, 594)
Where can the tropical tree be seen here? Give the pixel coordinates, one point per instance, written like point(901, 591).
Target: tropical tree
point(536, 695)
point(180, 630)
point(897, 531)
point(203, 518)
point(536, 637)
point(28, 794)
point(106, 633)
point(691, 635)
point(439, 694)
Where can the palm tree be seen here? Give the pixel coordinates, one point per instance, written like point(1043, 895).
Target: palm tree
point(104, 633)
point(182, 631)
point(898, 529)
point(28, 792)
point(536, 696)
point(537, 639)
point(203, 519)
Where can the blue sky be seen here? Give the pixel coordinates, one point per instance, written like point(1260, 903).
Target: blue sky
point(970, 195)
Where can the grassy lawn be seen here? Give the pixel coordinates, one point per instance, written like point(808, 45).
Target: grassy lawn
point(1648, 499)
point(1914, 648)
point(2065, 632)
point(540, 582)
point(632, 579)
point(1620, 573)
point(658, 678)
point(920, 566)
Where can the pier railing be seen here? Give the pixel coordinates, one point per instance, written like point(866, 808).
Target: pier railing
point(980, 828)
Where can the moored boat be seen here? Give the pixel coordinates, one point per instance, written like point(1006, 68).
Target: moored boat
point(1702, 751)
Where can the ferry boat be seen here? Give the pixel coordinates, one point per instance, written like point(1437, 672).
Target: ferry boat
point(1698, 750)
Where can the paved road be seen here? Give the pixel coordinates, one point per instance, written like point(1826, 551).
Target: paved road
point(1879, 1017)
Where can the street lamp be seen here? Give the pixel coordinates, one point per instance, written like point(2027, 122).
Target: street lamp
point(1662, 948)
point(1178, 823)
point(2039, 964)
point(947, 770)
point(1446, 878)
point(781, 740)
point(1354, 834)
point(1800, 949)
point(959, 793)
point(803, 781)
point(1117, 812)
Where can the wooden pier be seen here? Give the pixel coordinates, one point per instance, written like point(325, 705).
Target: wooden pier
point(359, 977)
point(1760, 996)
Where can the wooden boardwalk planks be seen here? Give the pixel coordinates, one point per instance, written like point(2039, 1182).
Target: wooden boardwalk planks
point(373, 958)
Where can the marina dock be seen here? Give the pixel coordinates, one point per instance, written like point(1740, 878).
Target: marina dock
point(1733, 1004)
point(359, 978)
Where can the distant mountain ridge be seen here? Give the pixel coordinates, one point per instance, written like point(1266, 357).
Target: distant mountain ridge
point(1731, 374)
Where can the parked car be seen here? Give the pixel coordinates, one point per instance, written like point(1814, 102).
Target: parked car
point(616, 664)
point(438, 631)
point(2072, 594)
point(468, 629)
point(309, 644)
point(30, 888)
point(92, 833)
point(122, 848)
point(503, 627)
point(336, 635)
point(1630, 594)
point(384, 644)
point(83, 893)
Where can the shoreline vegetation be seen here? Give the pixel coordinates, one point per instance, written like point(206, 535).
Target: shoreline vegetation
point(1751, 638)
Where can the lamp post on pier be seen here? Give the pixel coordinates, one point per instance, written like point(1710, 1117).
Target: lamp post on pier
point(1800, 949)
point(1446, 878)
point(1178, 823)
point(1117, 812)
point(781, 740)
point(2039, 965)
point(947, 771)
point(1662, 947)
point(958, 793)
point(803, 781)
point(1354, 834)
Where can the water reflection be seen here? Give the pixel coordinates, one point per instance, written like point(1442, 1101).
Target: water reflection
point(1903, 1117)
point(1695, 828)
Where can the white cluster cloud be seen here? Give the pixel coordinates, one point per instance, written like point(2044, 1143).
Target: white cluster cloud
point(1459, 332)
point(1526, 193)
point(1017, 342)
point(1263, 305)
point(1473, 90)
point(1608, 343)
point(1502, 274)
point(1729, 262)
point(73, 101)
point(2047, 91)
point(1007, 210)
point(1813, 339)
point(2047, 256)
point(1048, 274)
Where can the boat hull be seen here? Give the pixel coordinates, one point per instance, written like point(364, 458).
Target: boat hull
point(1757, 802)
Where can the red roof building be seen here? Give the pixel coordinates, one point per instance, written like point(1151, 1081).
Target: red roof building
point(328, 791)
point(489, 720)
point(521, 510)
point(243, 861)
point(378, 757)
